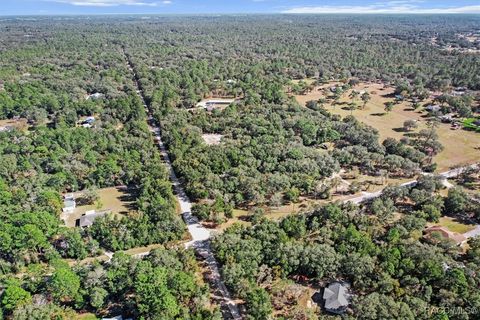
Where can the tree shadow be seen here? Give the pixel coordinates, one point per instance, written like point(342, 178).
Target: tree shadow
point(388, 95)
point(464, 219)
point(129, 195)
point(410, 134)
point(378, 114)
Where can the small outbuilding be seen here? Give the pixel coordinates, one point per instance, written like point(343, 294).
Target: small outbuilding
point(337, 297)
point(433, 108)
point(95, 96)
point(448, 118)
point(69, 203)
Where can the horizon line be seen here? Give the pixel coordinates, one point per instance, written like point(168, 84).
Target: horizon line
point(238, 13)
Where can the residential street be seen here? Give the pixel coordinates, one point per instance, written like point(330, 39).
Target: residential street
point(473, 233)
point(200, 235)
point(447, 174)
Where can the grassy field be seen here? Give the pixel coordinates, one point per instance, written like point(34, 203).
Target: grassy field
point(86, 316)
point(460, 145)
point(454, 226)
point(470, 124)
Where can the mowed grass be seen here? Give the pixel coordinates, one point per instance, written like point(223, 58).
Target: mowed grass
point(460, 146)
point(454, 226)
point(86, 316)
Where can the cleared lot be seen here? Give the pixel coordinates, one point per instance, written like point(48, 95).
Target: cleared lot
point(117, 200)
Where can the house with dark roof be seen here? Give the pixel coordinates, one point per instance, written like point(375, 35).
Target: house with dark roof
point(88, 218)
point(337, 297)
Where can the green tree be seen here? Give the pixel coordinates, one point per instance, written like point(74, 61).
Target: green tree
point(14, 296)
point(258, 304)
point(64, 284)
point(153, 297)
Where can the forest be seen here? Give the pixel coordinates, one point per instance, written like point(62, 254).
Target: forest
point(55, 72)
point(378, 247)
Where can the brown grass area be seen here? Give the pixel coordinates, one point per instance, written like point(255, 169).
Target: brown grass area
point(20, 124)
point(459, 144)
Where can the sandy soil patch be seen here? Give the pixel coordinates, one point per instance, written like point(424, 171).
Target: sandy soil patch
point(20, 124)
point(212, 138)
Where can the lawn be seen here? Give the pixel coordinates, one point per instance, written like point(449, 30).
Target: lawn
point(454, 226)
point(86, 316)
point(470, 124)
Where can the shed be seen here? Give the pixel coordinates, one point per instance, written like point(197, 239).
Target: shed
point(433, 108)
point(69, 203)
point(90, 119)
point(94, 96)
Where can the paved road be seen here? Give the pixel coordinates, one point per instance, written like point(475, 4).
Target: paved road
point(200, 235)
point(445, 175)
point(473, 233)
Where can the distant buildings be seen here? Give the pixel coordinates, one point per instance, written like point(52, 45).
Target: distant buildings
point(448, 118)
point(6, 128)
point(212, 104)
point(337, 297)
point(116, 318)
point(95, 96)
point(88, 122)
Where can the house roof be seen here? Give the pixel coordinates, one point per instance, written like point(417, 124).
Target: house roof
point(336, 296)
point(433, 107)
point(88, 219)
point(69, 203)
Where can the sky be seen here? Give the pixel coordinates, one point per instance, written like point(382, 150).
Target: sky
point(54, 7)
